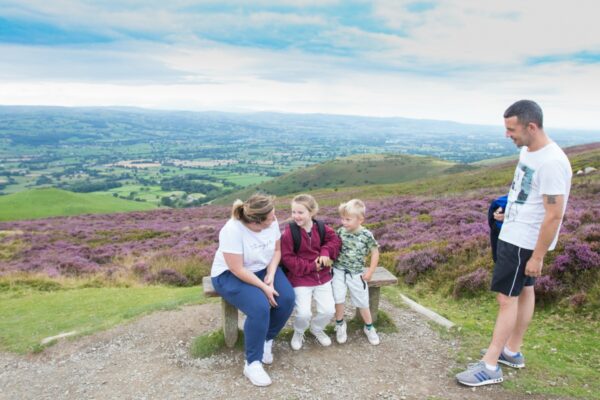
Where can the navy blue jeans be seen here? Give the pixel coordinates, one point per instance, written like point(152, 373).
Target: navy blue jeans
point(263, 322)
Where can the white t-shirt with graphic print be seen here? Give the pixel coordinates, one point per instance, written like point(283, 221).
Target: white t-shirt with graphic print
point(257, 248)
point(546, 171)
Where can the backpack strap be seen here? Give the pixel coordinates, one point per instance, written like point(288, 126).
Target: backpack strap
point(296, 236)
point(321, 228)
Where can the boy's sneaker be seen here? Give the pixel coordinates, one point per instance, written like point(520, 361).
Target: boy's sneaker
point(268, 352)
point(297, 340)
point(478, 375)
point(371, 335)
point(340, 332)
point(516, 361)
point(256, 373)
point(322, 338)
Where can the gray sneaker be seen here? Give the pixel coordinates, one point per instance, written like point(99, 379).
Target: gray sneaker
point(478, 375)
point(517, 361)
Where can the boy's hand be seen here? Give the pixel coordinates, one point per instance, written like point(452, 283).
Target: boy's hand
point(367, 276)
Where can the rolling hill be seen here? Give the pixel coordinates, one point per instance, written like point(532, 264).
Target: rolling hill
point(41, 203)
point(353, 171)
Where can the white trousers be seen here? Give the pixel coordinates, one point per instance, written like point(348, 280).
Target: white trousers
point(323, 295)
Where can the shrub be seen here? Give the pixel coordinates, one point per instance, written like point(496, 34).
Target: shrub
point(578, 300)
point(169, 276)
point(471, 284)
point(415, 263)
point(547, 289)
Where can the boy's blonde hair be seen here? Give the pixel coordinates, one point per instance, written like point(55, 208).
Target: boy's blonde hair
point(307, 201)
point(353, 207)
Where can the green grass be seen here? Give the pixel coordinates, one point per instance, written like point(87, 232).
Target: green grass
point(27, 315)
point(561, 348)
point(42, 203)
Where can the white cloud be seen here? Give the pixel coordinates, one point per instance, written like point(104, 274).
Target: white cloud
point(461, 60)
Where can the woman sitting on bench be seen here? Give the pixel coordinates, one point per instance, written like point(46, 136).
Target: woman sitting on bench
point(245, 273)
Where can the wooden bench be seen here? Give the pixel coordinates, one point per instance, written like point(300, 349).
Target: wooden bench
point(381, 277)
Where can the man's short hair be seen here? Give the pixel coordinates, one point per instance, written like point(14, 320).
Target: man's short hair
point(526, 111)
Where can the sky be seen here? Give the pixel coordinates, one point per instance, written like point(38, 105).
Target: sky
point(459, 60)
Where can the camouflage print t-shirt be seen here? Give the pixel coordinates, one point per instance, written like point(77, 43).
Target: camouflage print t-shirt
point(355, 247)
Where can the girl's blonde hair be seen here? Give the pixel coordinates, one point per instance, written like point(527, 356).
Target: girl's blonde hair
point(256, 209)
point(307, 201)
point(353, 207)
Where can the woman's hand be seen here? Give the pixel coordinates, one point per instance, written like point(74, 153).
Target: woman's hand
point(270, 292)
point(269, 278)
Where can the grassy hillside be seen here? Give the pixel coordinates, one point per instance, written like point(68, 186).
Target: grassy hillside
point(483, 178)
point(353, 171)
point(41, 203)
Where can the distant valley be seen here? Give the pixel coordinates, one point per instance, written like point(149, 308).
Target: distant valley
point(181, 159)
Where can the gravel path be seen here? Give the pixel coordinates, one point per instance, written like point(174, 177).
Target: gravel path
point(149, 359)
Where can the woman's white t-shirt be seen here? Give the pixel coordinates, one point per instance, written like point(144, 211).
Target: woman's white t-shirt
point(257, 248)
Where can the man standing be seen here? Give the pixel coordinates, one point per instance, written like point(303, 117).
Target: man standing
point(536, 204)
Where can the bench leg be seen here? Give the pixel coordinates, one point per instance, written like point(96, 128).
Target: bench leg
point(230, 323)
point(374, 293)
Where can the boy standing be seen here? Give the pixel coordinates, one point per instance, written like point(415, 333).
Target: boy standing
point(349, 269)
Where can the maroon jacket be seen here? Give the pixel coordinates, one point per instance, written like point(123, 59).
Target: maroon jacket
point(301, 268)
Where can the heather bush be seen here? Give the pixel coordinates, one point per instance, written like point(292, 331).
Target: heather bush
point(578, 300)
point(415, 263)
point(169, 277)
point(578, 267)
point(192, 269)
point(471, 284)
point(547, 289)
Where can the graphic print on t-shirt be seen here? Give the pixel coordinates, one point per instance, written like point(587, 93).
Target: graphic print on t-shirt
point(522, 183)
point(522, 187)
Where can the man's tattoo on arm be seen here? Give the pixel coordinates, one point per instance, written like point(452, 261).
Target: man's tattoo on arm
point(551, 199)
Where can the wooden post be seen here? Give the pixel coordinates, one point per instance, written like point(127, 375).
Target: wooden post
point(230, 323)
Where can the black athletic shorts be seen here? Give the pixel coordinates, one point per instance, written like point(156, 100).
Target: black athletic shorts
point(509, 272)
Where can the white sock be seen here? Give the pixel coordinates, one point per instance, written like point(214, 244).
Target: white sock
point(491, 367)
point(509, 352)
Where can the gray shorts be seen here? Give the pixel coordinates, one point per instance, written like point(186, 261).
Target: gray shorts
point(343, 282)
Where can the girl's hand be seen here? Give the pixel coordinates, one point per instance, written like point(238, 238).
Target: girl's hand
point(270, 292)
point(325, 260)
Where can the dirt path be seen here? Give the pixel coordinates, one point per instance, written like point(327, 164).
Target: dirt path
point(148, 359)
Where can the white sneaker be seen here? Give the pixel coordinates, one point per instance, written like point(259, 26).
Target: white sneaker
point(297, 340)
point(322, 338)
point(340, 333)
point(268, 352)
point(256, 373)
point(372, 335)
